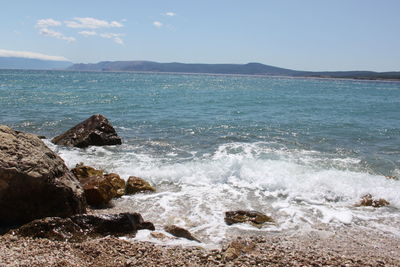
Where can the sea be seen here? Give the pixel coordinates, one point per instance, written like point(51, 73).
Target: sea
point(301, 150)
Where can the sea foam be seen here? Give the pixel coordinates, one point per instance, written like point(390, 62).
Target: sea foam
point(298, 188)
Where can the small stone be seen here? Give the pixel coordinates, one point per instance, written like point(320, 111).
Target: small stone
point(180, 232)
point(13, 238)
point(230, 254)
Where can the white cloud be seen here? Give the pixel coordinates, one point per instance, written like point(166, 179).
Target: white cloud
point(45, 23)
point(116, 37)
point(118, 40)
point(26, 54)
point(87, 33)
point(170, 14)
point(157, 24)
point(55, 34)
point(45, 28)
point(92, 23)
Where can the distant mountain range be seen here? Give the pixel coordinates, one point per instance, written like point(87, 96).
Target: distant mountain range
point(150, 66)
point(31, 63)
point(250, 68)
point(242, 69)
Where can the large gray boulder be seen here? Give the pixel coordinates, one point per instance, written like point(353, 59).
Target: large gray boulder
point(94, 131)
point(34, 181)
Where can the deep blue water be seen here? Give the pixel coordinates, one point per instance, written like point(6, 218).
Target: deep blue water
point(341, 118)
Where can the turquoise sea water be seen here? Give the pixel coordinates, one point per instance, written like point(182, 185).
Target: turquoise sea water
point(303, 150)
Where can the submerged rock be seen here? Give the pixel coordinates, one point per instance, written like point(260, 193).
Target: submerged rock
point(80, 227)
point(180, 232)
point(368, 200)
point(137, 185)
point(34, 181)
point(94, 131)
point(254, 218)
point(99, 188)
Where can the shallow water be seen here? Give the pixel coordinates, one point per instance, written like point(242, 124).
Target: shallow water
point(301, 150)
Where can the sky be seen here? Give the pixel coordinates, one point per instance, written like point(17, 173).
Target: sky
point(312, 35)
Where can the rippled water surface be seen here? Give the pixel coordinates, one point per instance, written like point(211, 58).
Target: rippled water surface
point(302, 150)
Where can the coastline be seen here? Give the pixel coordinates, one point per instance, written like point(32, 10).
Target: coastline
point(347, 246)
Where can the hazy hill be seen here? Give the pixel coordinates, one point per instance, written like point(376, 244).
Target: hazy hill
point(31, 63)
point(150, 66)
point(244, 69)
point(367, 75)
point(250, 68)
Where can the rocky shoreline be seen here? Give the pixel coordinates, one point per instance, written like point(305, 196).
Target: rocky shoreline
point(54, 216)
point(344, 247)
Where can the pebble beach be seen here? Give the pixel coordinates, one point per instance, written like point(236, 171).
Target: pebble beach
point(344, 247)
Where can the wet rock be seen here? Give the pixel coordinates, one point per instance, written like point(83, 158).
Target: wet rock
point(94, 131)
point(254, 218)
point(99, 188)
point(81, 171)
point(136, 185)
point(180, 232)
point(80, 227)
point(112, 224)
point(117, 183)
point(34, 181)
point(368, 200)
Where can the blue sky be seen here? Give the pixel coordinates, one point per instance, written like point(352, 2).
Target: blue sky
point(304, 35)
